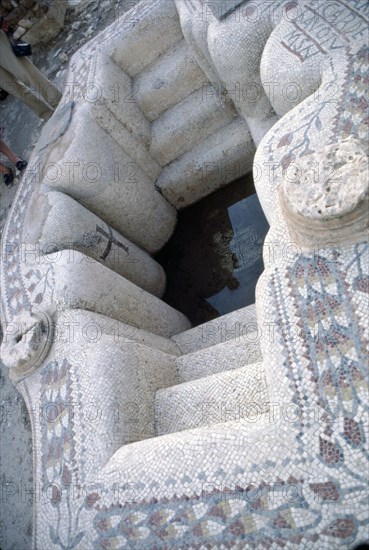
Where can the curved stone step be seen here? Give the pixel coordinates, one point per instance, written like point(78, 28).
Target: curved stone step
point(64, 224)
point(83, 283)
point(232, 395)
point(80, 324)
point(171, 78)
point(181, 127)
point(89, 165)
point(132, 145)
point(125, 397)
point(138, 43)
point(229, 326)
point(112, 88)
point(230, 355)
point(216, 161)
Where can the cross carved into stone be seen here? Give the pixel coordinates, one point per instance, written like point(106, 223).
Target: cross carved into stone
point(111, 240)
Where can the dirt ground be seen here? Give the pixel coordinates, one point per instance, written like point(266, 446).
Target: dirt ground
point(22, 129)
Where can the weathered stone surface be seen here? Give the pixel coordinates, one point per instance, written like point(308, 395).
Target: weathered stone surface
point(235, 325)
point(108, 182)
point(127, 413)
point(138, 43)
point(57, 222)
point(236, 45)
point(49, 26)
point(27, 342)
point(325, 196)
point(240, 394)
point(219, 159)
point(232, 354)
point(189, 122)
point(73, 322)
point(171, 78)
point(81, 283)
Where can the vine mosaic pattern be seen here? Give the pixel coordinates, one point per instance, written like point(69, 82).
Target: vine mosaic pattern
point(296, 484)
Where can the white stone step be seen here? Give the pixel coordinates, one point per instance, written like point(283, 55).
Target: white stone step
point(111, 87)
point(106, 180)
point(234, 354)
point(181, 127)
point(117, 112)
point(229, 326)
point(83, 283)
point(64, 224)
point(171, 78)
point(127, 141)
point(138, 43)
point(133, 370)
point(227, 396)
point(216, 161)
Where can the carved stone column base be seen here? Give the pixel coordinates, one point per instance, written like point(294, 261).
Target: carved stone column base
point(324, 196)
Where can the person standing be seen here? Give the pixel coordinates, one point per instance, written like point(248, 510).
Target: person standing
point(18, 76)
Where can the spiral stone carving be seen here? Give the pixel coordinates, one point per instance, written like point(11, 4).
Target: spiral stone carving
point(27, 342)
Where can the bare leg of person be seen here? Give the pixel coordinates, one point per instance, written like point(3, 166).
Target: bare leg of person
point(4, 149)
point(8, 175)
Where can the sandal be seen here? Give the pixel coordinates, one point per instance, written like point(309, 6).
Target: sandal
point(8, 178)
point(21, 165)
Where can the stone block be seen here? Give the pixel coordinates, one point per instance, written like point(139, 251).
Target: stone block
point(139, 43)
point(109, 182)
point(210, 165)
point(81, 284)
point(49, 26)
point(124, 398)
point(233, 325)
point(62, 223)
point(171, 78)
point(229, 355)
point(239, 394)
point(192, 120)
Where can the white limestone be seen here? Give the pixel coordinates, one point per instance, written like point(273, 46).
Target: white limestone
point(227, 396)
point(112, 88)
point(312, 308)
point(229, 355)
point(86, 284)
point(27, 342)
point(138, 43)
point(57, 222)
point(189, 122)
point(231, 326)
point(125, 399)
point(106, 180)
point(171, 78)
point(325, 196)
point(75, 324)
point(219, 159)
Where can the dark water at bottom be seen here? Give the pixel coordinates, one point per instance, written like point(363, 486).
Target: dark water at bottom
point(214, 258)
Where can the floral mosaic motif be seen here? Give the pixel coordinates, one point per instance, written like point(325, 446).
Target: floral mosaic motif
point(353, 116)
point(330, 330)
point(59, 465)
point(234, 521)
point(337, 356)
point(19, 286)
point(57, 425)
